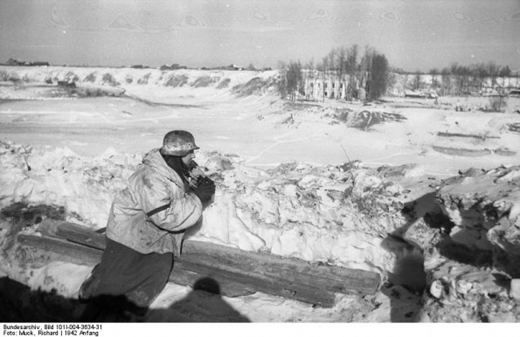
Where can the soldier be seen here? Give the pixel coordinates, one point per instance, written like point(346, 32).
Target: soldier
point(145, 229)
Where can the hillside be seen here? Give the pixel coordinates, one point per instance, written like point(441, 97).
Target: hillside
point(203, 83)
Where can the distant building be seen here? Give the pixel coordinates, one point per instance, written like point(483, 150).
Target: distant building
point(414, 94)
point(66, 84)
point(318, 86)
point(235, 67)
point(13, 62)
point(39, 64)
point(174, 66)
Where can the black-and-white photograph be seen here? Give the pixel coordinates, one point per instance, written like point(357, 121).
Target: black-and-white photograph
point(261, 161)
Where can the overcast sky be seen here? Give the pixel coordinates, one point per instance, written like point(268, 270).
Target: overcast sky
point(413, 34)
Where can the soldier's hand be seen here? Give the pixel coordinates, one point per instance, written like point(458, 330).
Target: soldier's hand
point(205, 189)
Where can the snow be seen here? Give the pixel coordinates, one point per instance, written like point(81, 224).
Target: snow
point(324, 182)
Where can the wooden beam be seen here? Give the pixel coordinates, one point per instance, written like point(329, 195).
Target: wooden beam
point(68, 251)
point(279, 287)
point(269, 273)
point(275, 268)
point(268, 267)
point(61, 249)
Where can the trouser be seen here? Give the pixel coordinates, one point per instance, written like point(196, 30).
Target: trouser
point(125, 280)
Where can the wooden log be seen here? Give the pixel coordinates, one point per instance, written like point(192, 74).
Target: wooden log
point(228, 287)
point(279, 287)
point(72, 252)
point(230, 284)
point(201, 266)
point(180, 275)
point(275, 268)
point(64, 250)
point(268, 267)
point(283, 276)
point(80, 234)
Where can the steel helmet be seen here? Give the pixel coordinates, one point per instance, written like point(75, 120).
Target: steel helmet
point(178, 143)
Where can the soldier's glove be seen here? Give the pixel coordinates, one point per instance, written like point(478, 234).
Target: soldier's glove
point(205, 189)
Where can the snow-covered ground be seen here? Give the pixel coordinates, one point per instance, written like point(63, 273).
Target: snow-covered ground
point(321, 181)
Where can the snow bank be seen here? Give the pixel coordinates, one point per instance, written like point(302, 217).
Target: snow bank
point(333, 214)
point(84, 186)
point(465, 228)
point(472, 249)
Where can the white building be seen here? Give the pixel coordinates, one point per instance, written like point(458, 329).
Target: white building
point(318, 86)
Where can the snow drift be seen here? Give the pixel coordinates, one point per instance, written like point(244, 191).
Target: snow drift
point(466, 228)
point(332, 214)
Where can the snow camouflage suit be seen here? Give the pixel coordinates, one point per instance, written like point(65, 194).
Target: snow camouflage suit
point(145, 230)
point(151, 214)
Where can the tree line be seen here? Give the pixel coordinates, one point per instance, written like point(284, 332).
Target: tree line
point(489, 69)
point(462, 80)
point(367, 74)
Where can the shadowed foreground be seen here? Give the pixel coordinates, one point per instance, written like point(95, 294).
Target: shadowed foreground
point(18, 303)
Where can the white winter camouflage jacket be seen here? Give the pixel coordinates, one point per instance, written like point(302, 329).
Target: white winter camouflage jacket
point(150, 215)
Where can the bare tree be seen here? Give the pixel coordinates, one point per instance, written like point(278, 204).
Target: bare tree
point(332, 60)
point(374, 73)
point(364, 69)
point(282, 81)
point(351, 68)
point(446, 81)
point(294, 79)
point(342, 59)
point(379, 76)
point(417, 81)
point(497, 102)
point(436, 84)
point(309, 76)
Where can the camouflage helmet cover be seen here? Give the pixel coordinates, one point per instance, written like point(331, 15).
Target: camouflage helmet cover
point(178, 143)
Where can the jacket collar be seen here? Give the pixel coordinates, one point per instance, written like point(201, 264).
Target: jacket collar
point(154, 160)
